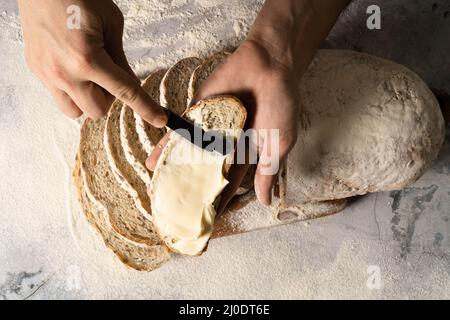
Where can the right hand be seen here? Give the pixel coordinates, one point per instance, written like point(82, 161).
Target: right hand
point(84, 69)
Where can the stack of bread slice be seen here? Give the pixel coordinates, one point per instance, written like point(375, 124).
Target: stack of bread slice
point(366, 125)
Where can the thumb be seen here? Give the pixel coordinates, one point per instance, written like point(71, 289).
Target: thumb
point(124, 87)
point(263, 187)
point(273, 153)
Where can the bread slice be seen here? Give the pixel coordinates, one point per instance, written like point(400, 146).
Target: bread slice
point(138, 256)
point(101, 186)
point(121, 169)
point(149, 136)
point(134, 151)
point(202, 72)
point(222, 113)
point(138, 138)
point(219, 113)
point(174, 85)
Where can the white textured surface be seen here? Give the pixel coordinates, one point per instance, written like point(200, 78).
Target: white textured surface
point(48, 251)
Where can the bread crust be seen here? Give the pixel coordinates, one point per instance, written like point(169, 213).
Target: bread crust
point(174, 85)
point(149, 136)
point(139, 253)
point(101, 186)
point(203, 71)
point(122, 170)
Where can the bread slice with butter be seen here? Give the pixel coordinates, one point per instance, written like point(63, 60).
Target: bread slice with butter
point(188, 180)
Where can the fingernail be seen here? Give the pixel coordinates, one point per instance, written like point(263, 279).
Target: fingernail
point(147, 162)
point(161, 120)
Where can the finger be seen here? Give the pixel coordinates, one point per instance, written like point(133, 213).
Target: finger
point(92, 99)
point(244, 156)
point(156, 153)
point(124, 87)
point(65, 103)
point(235, 177)
point(273, 153)
point(264, 186)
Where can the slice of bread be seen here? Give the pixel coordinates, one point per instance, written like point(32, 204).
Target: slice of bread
point(134, 151)
point(138, 256)
point(138, 138)
point(202, 72)
point(174, 85)
point(101, 186)
point(219, 113)
point(222, 113)
point(149, 136)
point(122, 170)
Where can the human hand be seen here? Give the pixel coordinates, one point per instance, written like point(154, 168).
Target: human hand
point(264, 73)
point(268, 90)
point(83, 68)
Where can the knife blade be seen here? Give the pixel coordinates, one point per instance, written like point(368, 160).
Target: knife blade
point(211, 140)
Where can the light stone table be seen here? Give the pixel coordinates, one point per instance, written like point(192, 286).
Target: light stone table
point(385, 245)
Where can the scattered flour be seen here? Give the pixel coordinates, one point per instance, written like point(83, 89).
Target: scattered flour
point(47, 251)
point(160, 33)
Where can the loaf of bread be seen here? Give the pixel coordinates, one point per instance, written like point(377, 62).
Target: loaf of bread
point(367, 125)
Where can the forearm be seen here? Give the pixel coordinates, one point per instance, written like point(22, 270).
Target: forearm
point(292, 30)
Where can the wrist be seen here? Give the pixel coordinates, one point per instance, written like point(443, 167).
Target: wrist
point(278, 47)
point(282, 29)
point(271, 64)
point(291, 31)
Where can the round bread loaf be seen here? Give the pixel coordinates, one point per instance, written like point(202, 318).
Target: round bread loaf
point(367, 125)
